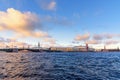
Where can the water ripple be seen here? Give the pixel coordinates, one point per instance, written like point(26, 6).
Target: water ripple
point(60, 66)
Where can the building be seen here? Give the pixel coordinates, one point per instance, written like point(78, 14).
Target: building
point(84, 48)
point(80, 48)
point(64, 49)
point(72, 49)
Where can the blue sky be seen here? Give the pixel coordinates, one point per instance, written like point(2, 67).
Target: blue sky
point(64, 20)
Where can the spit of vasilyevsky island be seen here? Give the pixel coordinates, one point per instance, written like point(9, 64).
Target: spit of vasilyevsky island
point(38, 48)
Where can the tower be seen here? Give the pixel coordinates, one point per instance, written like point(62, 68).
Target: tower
point(38, 45)
point(104, 47)
point(23, 47)
point(118, 48)
point(28, 46)
point(87, 47)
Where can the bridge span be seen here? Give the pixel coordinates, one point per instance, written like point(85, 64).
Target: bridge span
point(21, 49)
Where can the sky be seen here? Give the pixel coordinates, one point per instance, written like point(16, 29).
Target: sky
point(60, 22)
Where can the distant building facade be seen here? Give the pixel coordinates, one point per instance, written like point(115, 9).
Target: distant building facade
point(72, 49)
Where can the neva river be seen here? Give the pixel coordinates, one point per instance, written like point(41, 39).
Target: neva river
point(60, 66)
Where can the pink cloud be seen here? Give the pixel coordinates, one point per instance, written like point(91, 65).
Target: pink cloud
point(82, 37)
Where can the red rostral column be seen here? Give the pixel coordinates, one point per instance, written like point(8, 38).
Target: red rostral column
point(87, 47)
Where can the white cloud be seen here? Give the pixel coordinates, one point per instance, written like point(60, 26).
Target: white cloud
point(52, 5)
point(77, 15)
point(47, 4)
point(22, 23)
point(57, 20)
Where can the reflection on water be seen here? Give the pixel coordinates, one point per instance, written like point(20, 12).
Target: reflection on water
point(12, 66)
point(60, 66)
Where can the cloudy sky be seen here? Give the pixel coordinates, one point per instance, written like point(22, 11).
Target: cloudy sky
point(60, 22)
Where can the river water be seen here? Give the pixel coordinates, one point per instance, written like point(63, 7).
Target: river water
point(60, 66)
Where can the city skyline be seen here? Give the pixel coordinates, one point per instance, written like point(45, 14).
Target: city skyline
point(60, 23)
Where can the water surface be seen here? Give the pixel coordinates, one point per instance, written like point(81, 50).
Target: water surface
point(60, 66)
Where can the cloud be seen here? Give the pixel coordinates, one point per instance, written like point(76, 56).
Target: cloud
point(104, 36)
point(109, 42)
point(2, 39)
point(83, 37)
point(93, 42)
point(77, 15)
point(49, 40)
point(98, 13)
point(98, 37)
point(75, 42)
point(22, 23)
point(7, 42)
point(51, 5)
point(17, 44)
point(62, 21)
point(47, 4)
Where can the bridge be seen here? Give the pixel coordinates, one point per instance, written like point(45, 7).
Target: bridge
point(21, 49)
